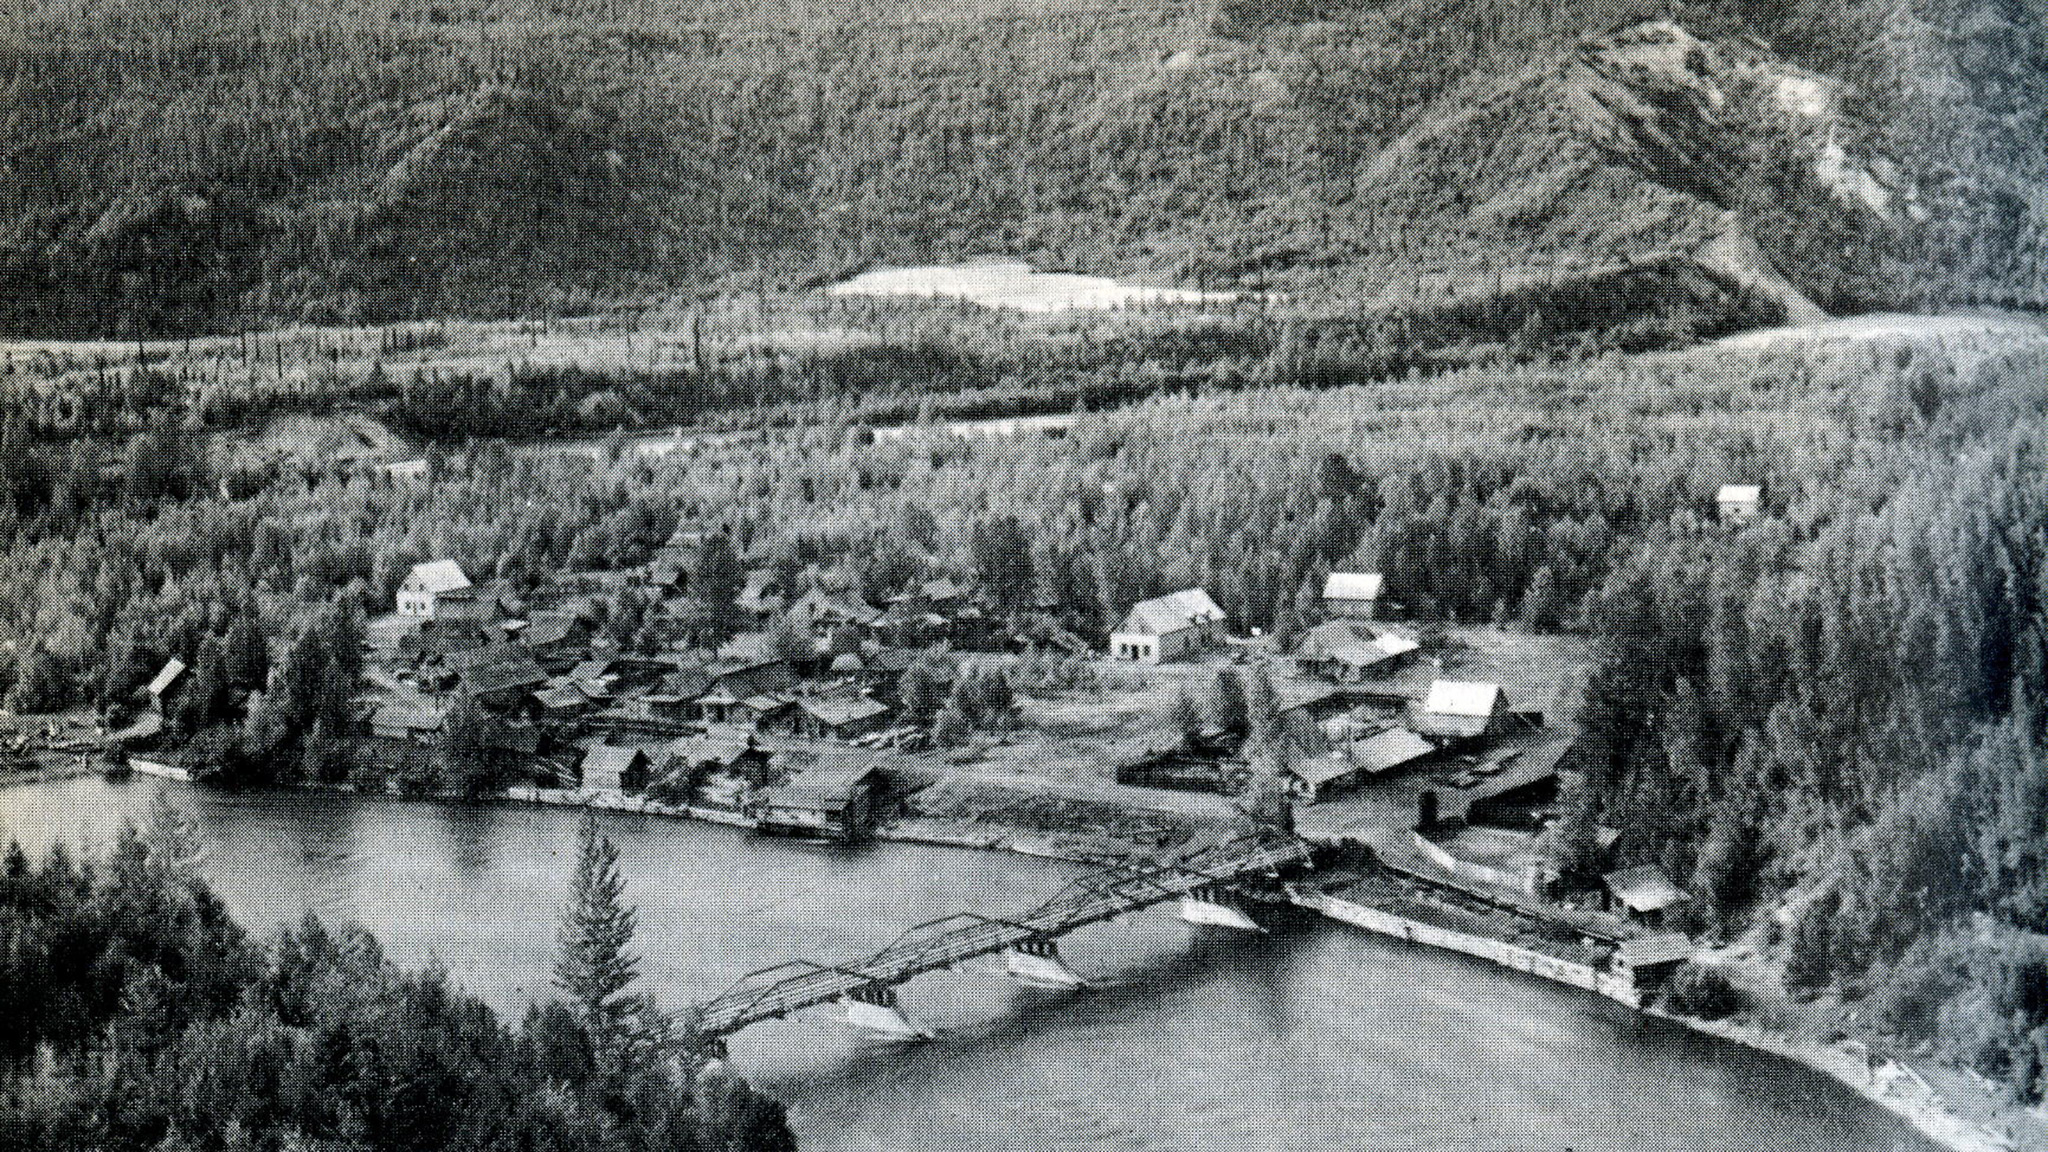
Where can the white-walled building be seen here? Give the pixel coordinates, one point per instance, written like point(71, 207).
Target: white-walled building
point(1168, 627)
point(427, 583)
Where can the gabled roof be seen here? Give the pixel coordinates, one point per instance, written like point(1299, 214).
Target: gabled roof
point(748, 648)
point(545, 628)
point(562, 696)
point(1740, 493)
point(416, 717)
point(764, 704)
point(1353, 586)
point(437, 576)
point(609, 759)
point(483, 656)
point(1320, 770)
point(827, 784)
point(518, 673)
point(1353, 644)
point(1171, 613)
point(1644, 888)
point(172, 669)
point(1462, 698)
point(1390, 749)
point(834, 711)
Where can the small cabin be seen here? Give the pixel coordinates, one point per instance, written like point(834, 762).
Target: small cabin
point(1355, 595)
point(395, 720)
point(424, 588)
point(841, 717)
point(615, 768)
point(1647, 962)
point(1168, 628)
point(1643, 893)
point(163, 688)
point(1739, 503)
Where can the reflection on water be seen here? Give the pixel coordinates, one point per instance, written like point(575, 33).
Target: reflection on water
point(1315, 1037)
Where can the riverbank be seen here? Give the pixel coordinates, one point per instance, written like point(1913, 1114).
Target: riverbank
point(1892, 1086)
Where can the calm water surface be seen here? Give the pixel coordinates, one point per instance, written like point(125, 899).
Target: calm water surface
point(1315, 1037)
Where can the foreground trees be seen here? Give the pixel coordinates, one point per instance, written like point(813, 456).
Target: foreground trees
point(164, 1028)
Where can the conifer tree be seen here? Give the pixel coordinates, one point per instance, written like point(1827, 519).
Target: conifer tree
point(596, 965)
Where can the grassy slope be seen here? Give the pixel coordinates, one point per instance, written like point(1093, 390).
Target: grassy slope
point(315, 160)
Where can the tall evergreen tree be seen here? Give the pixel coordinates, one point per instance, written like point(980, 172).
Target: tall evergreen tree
point(596, 966)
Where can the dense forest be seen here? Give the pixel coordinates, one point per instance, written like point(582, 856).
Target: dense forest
point(141, 1017)
point(304, 160)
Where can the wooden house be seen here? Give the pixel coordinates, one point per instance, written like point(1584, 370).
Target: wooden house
point(1348, 651)
point(615, 768)
point(429, 585)
point(1459, 710)
point(836, 798)
point(1643, 894)
point(1168, 628)
point(1353, 595)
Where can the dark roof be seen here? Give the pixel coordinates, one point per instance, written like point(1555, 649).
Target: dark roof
point(547, 628)
point(519, 673)
point(483, 656)
point(1648, 951)
point(417, 717)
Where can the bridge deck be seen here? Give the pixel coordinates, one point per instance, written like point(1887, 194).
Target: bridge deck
point(1112, 891)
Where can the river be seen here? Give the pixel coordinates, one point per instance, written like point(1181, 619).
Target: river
point(1313, 1037)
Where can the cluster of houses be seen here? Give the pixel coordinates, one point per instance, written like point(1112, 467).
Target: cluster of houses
point(813, 678)
point(1484, 775)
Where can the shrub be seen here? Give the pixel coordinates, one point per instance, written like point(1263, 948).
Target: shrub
point(1702, 992)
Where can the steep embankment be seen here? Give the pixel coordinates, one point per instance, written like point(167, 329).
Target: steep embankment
point(309, 160)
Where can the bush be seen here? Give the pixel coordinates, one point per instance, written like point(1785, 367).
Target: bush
point(1702, 992)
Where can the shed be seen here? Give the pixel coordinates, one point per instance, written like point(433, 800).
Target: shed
point(615, 768)
point(165, 683)
point(401, 720)
point(1354, 594)
point(1648, 961)
point(1643, 892)
point(1168, 627)
point(1347, 651)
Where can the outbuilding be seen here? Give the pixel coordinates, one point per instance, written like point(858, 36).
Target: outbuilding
point(1739, 503)
point(1644, 893)
point(1352, 594)
point(1459, 709)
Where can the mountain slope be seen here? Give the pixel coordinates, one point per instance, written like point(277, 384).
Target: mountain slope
point(304, 159)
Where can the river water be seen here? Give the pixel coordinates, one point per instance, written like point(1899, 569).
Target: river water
point(1314, 1037)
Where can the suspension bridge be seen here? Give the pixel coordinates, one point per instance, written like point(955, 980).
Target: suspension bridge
point(1200, 878)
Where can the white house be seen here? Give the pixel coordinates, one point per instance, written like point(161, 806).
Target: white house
point(427, 583)
point(1168, 627)
point(1740, 502)
point(1354, 594)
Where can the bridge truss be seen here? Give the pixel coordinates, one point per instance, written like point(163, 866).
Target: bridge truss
point(1112, 890)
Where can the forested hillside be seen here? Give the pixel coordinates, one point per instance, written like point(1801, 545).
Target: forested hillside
point(252, 162)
